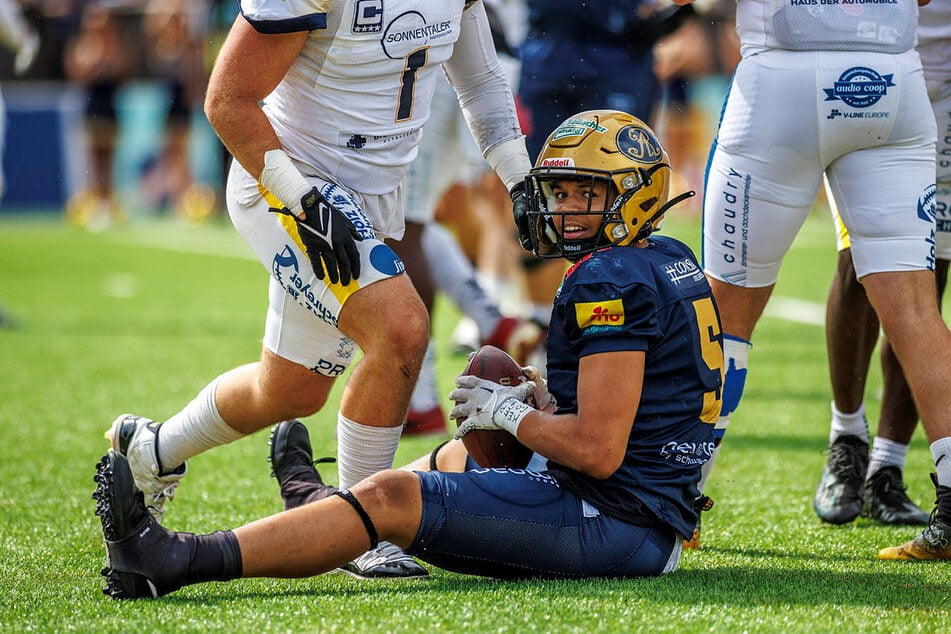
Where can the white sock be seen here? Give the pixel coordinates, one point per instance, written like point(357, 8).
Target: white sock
point(425, 394)
point(456, 277)
point(941, 452)
point(853, 424)
point(197, 428)
point(887, 453)
point(363, 450)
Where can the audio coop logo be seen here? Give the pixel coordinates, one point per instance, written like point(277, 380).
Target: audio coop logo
point(859, 87)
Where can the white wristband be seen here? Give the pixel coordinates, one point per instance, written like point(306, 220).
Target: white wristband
point(509, 414)
point(282, 179)
point(510, 161)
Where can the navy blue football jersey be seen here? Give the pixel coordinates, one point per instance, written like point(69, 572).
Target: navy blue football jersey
point(656, 300)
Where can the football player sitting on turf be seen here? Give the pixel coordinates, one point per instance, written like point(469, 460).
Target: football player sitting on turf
point(625, 445)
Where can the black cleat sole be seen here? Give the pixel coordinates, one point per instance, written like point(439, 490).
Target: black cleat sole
point(121, 511)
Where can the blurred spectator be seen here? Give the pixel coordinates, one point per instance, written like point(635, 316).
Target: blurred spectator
point(174, 34)
point(20, 38)
point(17, 35)
point(100, 58)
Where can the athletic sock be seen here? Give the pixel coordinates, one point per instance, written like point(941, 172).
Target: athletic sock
point(197, 428)
point(853, 424)
point(217, 557)
point(363, 450)
point(887, 453)
point(941, 452)
point(426, 394)
point(456, 277)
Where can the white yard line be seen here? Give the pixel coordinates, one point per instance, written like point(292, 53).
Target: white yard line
point(779, 307)
point(797, 310)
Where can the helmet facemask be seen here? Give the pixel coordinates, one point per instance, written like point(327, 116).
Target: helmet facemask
point(561, 198)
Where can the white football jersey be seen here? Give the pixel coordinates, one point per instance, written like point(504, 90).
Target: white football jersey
point(353, 103)
point(877, 26)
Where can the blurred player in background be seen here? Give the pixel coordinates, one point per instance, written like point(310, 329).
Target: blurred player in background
point(17, 35)
point(854, 481)
point(625, 444)
point(100, 58)
point(20, 38)
point(174, 32)
point(829, 72)
point(321, 145)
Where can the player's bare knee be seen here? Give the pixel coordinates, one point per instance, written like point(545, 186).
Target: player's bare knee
point(393, 499)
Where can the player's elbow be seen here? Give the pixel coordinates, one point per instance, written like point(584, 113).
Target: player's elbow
point(600, 460)
point(215, 107)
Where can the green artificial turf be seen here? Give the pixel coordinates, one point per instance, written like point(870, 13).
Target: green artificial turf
point(140, 317)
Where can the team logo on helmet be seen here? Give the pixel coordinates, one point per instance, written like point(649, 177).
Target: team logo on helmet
point(859, 87)
point(639, 144)
point(576, 127)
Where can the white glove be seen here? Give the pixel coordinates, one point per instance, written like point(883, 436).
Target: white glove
point(543, 398)
point(488, 405)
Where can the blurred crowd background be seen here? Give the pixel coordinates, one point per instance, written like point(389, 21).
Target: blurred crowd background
point(107, 122)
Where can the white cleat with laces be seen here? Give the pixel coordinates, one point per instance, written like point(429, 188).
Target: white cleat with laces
point(136, 438)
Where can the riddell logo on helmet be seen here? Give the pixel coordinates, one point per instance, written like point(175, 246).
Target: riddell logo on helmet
point(558, 162)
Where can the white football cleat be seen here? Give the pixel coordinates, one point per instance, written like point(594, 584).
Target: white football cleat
point(136, 438)
point(386, 561)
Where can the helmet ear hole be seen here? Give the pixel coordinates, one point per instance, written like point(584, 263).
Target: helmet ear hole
point(647, 204)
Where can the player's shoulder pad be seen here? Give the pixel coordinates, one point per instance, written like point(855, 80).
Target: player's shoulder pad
point(285, 16)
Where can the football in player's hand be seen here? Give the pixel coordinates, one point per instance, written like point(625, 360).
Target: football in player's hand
point(496, 447)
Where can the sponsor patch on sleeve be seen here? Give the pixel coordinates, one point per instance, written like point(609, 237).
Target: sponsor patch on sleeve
point(606, 313)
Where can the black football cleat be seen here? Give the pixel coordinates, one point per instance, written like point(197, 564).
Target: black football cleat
point(838, 498)
point(292, 463)
point(887, 502)
point(144, 560)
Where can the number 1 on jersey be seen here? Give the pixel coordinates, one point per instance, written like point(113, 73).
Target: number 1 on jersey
point(414, 61)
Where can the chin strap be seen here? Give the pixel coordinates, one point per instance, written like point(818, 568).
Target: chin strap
point(648, 227)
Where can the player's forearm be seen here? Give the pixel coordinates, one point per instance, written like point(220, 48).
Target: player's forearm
point(244, 130)
point(567, 440)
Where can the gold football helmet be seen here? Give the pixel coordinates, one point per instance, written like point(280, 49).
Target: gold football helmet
point(604, 149)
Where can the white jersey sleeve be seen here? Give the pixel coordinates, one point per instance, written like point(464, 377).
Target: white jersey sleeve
point(285, 16)
point(483, 89)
